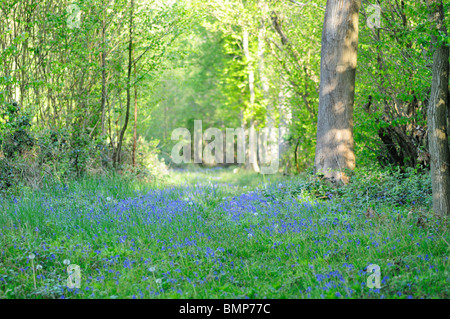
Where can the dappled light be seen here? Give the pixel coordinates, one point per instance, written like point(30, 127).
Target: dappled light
point(224, 155)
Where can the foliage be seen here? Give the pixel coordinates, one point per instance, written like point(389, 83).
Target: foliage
point(69, 154)
point(15, 136)
point(188, 64)
point(15, 140)
point(149, 166)
point(375, 186)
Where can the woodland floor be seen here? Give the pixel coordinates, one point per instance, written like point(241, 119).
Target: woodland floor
point(215, 234)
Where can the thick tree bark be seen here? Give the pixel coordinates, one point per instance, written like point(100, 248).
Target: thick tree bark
point(437, 114)
point(334, 150)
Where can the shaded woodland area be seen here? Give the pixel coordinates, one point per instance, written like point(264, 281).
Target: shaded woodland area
point(357, 92)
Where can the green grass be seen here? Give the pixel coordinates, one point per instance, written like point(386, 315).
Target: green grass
point(217, 234)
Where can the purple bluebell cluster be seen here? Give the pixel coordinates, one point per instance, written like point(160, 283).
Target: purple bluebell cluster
point(201, 241)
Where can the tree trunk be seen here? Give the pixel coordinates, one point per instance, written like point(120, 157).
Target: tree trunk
point(284, 122)
point(334, 150)
point(241, 117)
point(437, 111)
point(103, 102)
point(135, 118)
point(252, 149)
point(263, 147)
point(130, 63)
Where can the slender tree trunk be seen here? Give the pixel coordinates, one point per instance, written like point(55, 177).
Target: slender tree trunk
point(130, 63)
point(135, 119)
point(284, 123)
point(334, 150)
point(103, 102)
point(253, 147)
point(252, 151)
point(263, 147)
point(241, 117)
point(437, 111)
point(296, 155)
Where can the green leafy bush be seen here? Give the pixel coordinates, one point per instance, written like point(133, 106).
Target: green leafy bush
point(15, 136)
point(15, 140)
point(148, 164)
point(69, 153)
point(376, 186)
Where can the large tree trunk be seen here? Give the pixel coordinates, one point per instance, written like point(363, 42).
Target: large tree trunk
point(334, 150)
point(437, 114)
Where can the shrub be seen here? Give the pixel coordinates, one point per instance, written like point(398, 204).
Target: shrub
point(148, 164)
point(15, 140)
point(70, 153)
